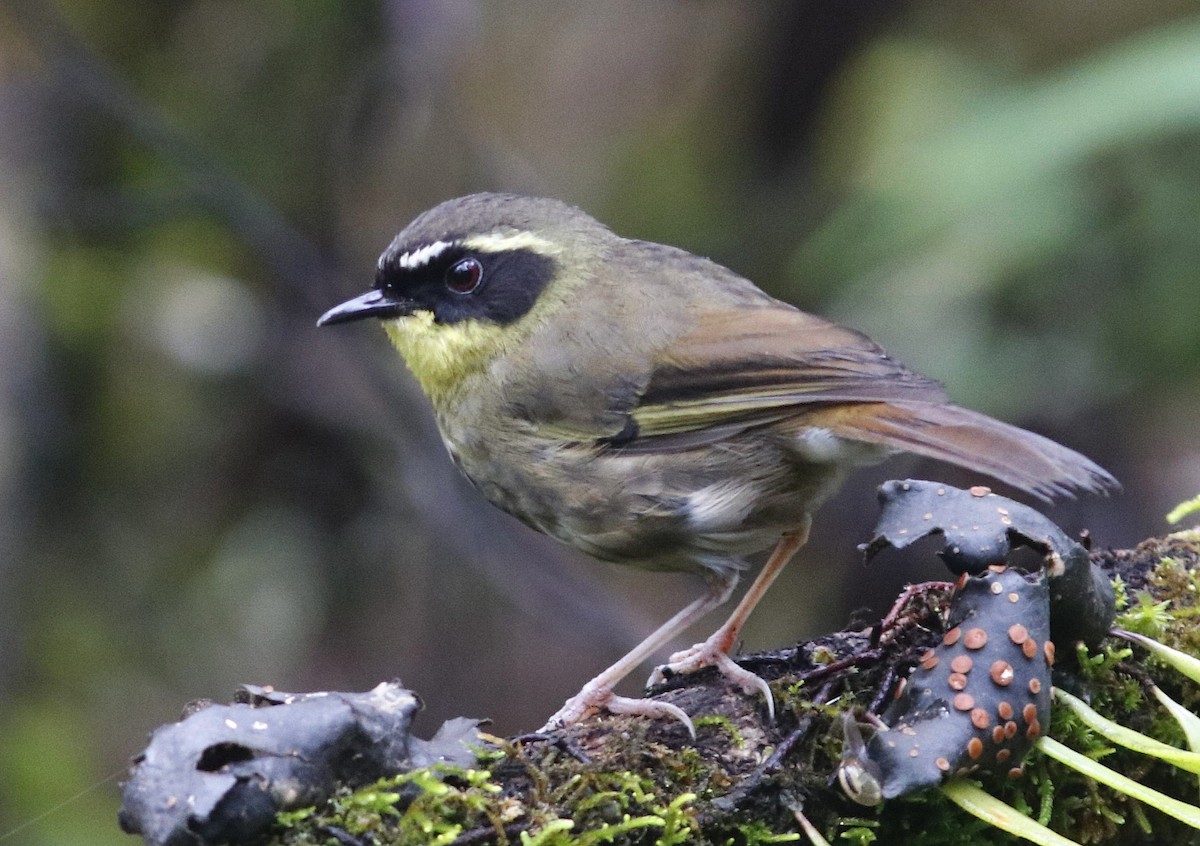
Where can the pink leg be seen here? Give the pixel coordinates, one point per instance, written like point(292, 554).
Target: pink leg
point(597, 694)
point(714, 652)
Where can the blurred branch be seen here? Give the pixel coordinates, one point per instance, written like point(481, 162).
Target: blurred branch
point(303, 272)
point(288, 253)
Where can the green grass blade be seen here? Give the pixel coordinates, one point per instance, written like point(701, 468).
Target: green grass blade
point(1181, 811)
point(1127, 737)
point(991, 810)
point(1189, 665)
point(1188, 721)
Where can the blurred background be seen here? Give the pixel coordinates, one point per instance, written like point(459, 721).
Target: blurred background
point(198, 488)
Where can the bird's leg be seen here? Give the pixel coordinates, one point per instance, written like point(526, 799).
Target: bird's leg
point(597, 695)
point(714, 652)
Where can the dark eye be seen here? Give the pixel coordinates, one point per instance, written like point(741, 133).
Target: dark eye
point(464, 276)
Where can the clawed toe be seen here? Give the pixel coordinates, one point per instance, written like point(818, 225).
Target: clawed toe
point(597, 694)
point(652, 708)
point(592, 700)
point(708, 654)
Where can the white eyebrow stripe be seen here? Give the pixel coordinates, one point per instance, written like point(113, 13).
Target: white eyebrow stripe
point(423, 255)
point(498, 242)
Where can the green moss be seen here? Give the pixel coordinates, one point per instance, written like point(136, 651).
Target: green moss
point(863, 834)
point(756, 833)
point(722, 723)
point(1183, 509)
point(429, 805)
point(439, 804)
point(1145, 616)
point(634, 782)
point(1165, 606)
point(790, 697)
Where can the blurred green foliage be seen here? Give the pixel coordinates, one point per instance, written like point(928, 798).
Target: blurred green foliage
point(1077, 177)
point(198, 489)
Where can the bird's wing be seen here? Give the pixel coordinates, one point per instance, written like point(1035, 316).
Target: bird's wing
point(743, 367)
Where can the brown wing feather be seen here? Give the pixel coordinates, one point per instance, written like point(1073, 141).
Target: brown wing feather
point(747, 364)
point(742, 367)
point(782, 352)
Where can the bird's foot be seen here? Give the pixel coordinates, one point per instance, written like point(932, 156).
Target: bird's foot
point(713, 653)
point(595, 698)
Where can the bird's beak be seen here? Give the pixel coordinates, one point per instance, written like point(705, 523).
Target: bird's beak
point(371, 304)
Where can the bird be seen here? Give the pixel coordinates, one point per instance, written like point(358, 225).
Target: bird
point(650, 407)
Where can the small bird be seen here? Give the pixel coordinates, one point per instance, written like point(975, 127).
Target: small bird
point(652, 408)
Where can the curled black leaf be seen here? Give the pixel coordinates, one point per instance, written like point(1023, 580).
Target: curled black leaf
point(222, 773)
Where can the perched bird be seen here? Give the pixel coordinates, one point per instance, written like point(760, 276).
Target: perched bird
point(653, 408)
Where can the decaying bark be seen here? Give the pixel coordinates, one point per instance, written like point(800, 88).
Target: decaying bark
point(632, 780)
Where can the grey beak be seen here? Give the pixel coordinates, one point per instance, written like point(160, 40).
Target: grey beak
point(371, 304)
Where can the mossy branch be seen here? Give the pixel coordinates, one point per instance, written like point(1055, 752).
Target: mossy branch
point(629, 780)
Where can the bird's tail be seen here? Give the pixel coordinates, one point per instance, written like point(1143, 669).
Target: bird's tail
point(969, 439)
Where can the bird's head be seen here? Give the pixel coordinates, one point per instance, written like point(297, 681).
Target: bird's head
point(471, 278)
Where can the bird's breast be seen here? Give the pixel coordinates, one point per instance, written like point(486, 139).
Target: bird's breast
point(698, 509)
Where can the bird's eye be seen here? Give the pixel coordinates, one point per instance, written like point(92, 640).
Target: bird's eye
point(464, 276)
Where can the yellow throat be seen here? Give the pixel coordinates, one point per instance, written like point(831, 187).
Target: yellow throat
point(441, 356)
